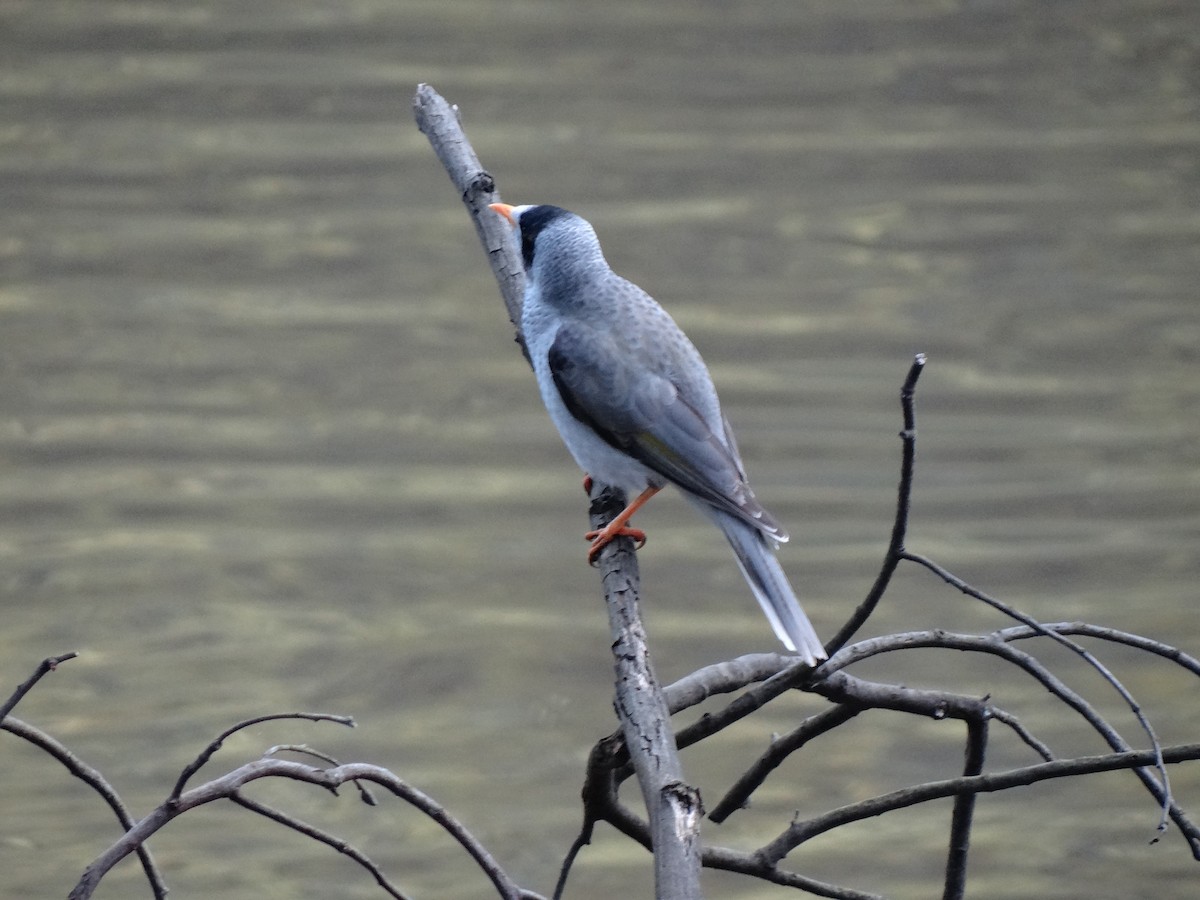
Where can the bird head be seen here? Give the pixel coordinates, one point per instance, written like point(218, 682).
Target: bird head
point(555, 244)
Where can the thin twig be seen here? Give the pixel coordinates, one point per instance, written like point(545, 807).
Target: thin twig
point(964, 811)
point(729, 860)
point(895, 549)
point(802, 831)
point(97, 782)
point(1166, 801)
point(364, 793)
point(47, 665)
point(993, 645)
point(1104, 633)
point(738, 796)
point(324, 837)
point(207, 753)
point(1027, 737)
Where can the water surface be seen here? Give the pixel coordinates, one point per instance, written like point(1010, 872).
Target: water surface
point(266, 442)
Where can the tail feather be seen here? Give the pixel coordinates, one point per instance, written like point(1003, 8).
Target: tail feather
point(770, 586)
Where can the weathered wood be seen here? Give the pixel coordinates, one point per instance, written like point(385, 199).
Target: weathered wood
point(672, 805)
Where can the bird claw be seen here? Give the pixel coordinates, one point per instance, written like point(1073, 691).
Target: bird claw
point(601, 539)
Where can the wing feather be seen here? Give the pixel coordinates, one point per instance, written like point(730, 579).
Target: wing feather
point(645, 414)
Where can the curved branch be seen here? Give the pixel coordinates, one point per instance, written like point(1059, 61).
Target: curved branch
point(207, 753)
point(738, 796)
point(752, 864)
point(1103, 633)
point(725, 678)
point(791, 674)
point(323, 837)
point(364, 793)
point(993, 645)
point(47, 665)
point(93, 779)
point(895, 550)
point(1164, 786)
point(227, 785)
point(852, 695)
point(801, 831)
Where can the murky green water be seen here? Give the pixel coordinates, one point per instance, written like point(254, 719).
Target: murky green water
point(266, 444)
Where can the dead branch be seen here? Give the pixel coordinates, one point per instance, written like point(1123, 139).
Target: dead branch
point(47, 665)
point(321, 836)
point(801, 831)
point(219, 741)
point(761, 678)
point(674, 806)
point(228, 786)
point(77, 767)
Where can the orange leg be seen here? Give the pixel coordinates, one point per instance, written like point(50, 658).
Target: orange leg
point(619, 526)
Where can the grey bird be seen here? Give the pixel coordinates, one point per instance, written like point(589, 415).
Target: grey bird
point(635, 404)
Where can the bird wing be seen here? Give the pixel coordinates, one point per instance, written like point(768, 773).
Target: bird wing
point(645, 414)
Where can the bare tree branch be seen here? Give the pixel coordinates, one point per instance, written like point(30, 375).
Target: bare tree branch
point(895, 550)
point(738, 796)
point(93, 779)
point(227, 785)
point(442, 124)
point(207, 753)
point(852, 696)
point(321, 836)
point(952, 579)
point(47, 665)
point(1112, 635)
point(754, 865)
point(1027, 737)
point(364, 793)
point(725, 678)
point(674, 807)
point(762, 677)
point(993, 645)
point(801, 831)
point(964, 809)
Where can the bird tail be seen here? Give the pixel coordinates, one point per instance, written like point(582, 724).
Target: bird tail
point(765, 576)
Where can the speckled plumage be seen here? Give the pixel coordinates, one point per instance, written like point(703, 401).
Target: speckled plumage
point(634, 402)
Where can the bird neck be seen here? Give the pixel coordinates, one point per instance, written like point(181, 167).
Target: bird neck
point(565, 278)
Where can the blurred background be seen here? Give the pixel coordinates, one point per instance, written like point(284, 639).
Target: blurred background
point(266, 443)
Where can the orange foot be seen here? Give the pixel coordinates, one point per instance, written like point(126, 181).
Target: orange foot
point(587, 484)
point(601, 539)
point(619, 527)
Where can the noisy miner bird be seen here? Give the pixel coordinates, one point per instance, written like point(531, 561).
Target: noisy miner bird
point(635, 404)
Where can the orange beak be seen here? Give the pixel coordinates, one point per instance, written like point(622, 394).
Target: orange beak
point(503, 209)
